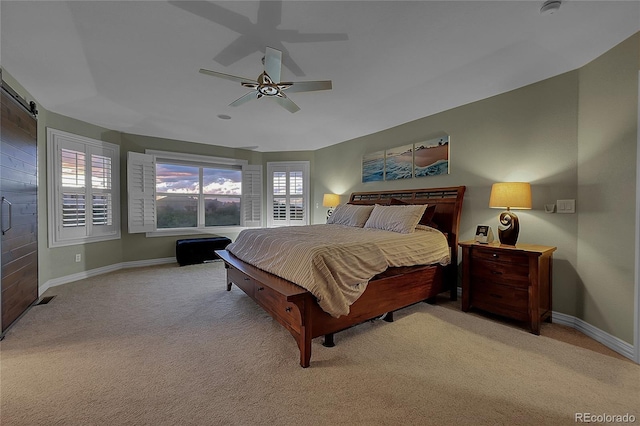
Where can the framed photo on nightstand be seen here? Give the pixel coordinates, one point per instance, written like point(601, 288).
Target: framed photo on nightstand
point(484, 234)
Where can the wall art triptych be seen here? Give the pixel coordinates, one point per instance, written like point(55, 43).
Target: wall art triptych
point(429, 158)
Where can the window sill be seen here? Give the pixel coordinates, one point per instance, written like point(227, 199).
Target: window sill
point(174, 232)
point(82, 241)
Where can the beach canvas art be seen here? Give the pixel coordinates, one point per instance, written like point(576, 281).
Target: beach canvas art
point(373, 167)
point(399, 164)
point(431, 157)
point(428, 158)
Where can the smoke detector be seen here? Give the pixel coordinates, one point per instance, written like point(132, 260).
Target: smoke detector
point(550, 6)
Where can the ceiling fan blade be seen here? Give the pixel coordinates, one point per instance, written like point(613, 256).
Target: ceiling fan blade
point(273, 63)
point(286, 103)
point(244, 99)
point(308, 86)
point(227, 76)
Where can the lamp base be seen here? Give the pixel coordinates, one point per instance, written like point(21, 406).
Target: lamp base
point(329, 213)
point(509, 228)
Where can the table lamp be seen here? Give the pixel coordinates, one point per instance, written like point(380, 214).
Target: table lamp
point(330, 200)
point(510, 195)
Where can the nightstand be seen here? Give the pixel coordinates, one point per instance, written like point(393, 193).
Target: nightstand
point(512, 281)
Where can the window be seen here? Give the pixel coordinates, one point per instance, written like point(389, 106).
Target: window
point(288, 196)
point(186, 193)
point(83, 187)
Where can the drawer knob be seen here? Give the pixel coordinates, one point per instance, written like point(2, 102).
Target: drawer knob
point(496, 272)
point(260, 288)
point(497, 296)
point(287, 309)
point(495, 255)
point(247, 279)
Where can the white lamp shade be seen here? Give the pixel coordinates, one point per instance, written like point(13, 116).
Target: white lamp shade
point(330, 200)
point(510, 195)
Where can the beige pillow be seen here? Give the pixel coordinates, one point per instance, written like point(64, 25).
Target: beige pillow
point(402, 219)
point(350, 215)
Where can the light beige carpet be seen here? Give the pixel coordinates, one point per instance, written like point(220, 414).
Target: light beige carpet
point(169, 345)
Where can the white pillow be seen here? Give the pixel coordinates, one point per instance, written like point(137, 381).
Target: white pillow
point(350, 215)
point(402, 219)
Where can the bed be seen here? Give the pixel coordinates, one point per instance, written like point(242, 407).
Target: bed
point(393, 288)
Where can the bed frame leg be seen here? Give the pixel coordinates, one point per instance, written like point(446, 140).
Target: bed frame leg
point(304, 344)
point(229, 286)
point(388, 317)
point(328, 341)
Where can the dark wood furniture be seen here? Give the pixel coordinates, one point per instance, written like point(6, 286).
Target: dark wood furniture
point(19, 188)
point(297, 309)
point(512, 281)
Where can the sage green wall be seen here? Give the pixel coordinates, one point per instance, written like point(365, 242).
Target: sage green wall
point(527, 134)
point(573, 136)
point(607, 167)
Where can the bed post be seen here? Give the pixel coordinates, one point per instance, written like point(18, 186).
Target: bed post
point(452, 270)
point(305, 338)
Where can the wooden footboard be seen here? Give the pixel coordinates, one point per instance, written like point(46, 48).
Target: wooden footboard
point(298, 311)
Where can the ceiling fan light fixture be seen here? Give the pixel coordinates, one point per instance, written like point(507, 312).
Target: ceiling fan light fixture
point(268, 90)
point(268, 83)
point(550, 7)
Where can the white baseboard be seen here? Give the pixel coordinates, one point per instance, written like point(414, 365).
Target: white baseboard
point(103, 270)
point(615, 344)
point(612, 342)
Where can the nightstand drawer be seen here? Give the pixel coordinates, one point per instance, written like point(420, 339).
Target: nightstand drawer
point(502, 256)
point(502, 273)
point(508, 297)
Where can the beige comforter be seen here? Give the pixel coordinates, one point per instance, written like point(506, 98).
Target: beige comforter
point(335, 262)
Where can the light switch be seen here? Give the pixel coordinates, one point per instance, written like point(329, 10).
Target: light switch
point(566, 206)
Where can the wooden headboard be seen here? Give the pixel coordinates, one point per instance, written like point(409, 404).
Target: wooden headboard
point(448, 203)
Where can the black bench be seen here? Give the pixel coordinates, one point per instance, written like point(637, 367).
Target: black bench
point(199, 250)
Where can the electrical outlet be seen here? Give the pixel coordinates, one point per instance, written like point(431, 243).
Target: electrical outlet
point(566, 206)
point(78, 257)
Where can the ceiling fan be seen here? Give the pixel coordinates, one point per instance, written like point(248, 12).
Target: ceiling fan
point(268, 83)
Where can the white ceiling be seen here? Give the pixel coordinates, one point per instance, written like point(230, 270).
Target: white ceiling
point(133, 66)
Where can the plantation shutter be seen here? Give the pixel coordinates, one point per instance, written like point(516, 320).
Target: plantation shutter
point(252, 195)
point(141, 188)
point(297, 202)
point(71, 192)
point(84, 188)
point(280, 198)
point(103, 169)
point(288, 196)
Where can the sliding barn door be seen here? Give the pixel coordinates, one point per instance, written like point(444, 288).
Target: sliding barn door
point(19, 190)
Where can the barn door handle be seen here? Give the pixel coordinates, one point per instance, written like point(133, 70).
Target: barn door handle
point(4, 200)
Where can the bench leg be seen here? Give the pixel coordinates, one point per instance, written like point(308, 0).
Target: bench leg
point(328, 341)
